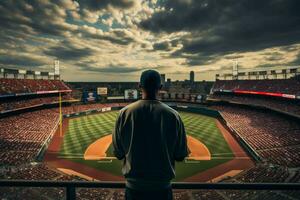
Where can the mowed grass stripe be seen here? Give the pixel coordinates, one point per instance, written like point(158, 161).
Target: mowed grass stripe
point(85, 130)
point(204, 128)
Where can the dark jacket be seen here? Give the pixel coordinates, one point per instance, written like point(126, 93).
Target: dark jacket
point(149, 136)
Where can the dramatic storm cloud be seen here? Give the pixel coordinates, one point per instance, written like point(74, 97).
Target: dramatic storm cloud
point(98, 40)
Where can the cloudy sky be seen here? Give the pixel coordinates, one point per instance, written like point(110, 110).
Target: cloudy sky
point(114, 40)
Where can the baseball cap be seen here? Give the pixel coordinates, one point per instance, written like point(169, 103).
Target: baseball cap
point(150, 80)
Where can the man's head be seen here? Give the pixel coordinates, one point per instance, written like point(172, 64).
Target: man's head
point(150, 82)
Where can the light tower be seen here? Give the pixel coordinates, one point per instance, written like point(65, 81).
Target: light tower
point(235, 70)
point(56, 70)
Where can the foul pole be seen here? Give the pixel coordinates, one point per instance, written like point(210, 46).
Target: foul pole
point(60, 116)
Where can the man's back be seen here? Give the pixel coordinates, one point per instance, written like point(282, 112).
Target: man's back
point(150, 136)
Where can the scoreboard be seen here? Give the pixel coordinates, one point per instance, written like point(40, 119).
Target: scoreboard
point(131, 94)
point(89, 96)
point(102, 90)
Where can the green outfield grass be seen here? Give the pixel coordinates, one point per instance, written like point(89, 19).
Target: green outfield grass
point(83, 131)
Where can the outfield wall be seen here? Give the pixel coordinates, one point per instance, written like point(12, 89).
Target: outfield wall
point(89, 112)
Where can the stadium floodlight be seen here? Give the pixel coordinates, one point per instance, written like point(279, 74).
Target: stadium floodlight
point(235, 69)
point(56, 67)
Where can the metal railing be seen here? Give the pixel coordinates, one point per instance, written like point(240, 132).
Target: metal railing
point(71, 186)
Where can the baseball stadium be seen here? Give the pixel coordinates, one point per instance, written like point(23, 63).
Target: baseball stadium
point(87, 141)
point(63, 133)
point(150, 99)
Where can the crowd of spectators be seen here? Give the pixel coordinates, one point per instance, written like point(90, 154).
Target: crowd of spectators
point(15, 86)
point(33, 172)
point(264, 173)
point(22, 136)
point(275, 138)
point(259, 173)
point(27, 86)
point(282, 104)
point(111, 194)
point(285, 86)
point(9, 105)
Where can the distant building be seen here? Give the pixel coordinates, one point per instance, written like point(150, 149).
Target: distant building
point(168, 83)
point(192, 76)
point(163, 79)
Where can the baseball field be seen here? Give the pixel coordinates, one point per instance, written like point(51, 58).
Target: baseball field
point(87, 142)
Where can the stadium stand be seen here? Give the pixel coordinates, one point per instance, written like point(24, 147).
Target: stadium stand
point(99, 194)
point(286, 86)
point(35, 172)
point(37, 101)
point(22, 136)
point(264, 173)
point(273, 137)
point(285, 105)
point(18, 94)
point(53, 193)
point(15, 86)
point(286, 92)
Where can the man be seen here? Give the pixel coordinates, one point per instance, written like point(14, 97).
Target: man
point(149, 136)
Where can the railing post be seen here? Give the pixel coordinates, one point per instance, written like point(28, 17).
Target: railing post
point(71, 193)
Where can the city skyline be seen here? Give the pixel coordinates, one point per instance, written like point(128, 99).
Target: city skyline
point(117, 40)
